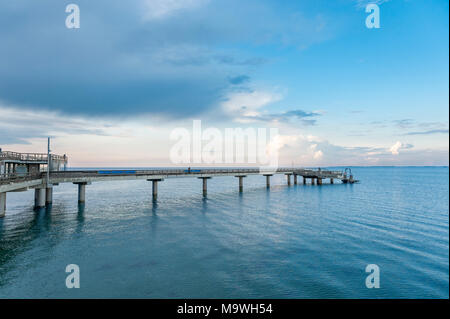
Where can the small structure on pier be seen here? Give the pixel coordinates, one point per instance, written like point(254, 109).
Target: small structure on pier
point(20, 164)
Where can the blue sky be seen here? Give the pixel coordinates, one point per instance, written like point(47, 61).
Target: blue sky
point(340, 93)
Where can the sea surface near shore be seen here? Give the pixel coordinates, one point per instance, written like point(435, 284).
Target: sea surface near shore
point(301, 241)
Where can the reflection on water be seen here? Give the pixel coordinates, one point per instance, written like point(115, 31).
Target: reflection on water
point(301, 241)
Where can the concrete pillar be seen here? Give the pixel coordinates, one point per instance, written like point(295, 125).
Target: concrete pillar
point(2, 204)
point(288, 176)
point(304, 180)
point(267, 180)
point(205, 185)
point(241, 183)
point(155, 188)
point(313, 181)
point(295, 179)
point(319, 181)
point(81, 193)
point(48, 196)
point(39, 197)
point(331, 181)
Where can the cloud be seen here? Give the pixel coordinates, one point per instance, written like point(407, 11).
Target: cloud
point(18, 126)
point(288, 116)
point(437, 127)
point(240, 79)
point(364, 3)
point(159, 9)
point(247, 106)
point(428, 132)
point(395, 149)
point(119, 64)
point(313, 151)
point(405, 123)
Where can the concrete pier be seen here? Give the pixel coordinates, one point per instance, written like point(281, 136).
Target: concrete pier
point(43, 184)
point(48, 196)
point(155, 186)
point(2, 204)
point(241, 183)
point(82, 192)
point(288, 176)
point(205, 185)
point(268, 180)
point(39, 197)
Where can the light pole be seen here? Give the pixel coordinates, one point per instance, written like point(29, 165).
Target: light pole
point(48, 160)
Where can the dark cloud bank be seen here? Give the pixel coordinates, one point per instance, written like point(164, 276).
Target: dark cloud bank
point(120, 64)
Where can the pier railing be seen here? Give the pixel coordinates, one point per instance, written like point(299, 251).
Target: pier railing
point(14, 177)
point(30, 157)
point(199, 171)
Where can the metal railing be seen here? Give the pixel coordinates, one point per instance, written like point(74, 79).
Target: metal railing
point(15, 177)
point(199, 171)
point(33, 157)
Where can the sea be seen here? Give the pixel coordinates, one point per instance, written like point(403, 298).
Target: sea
point(302, 241)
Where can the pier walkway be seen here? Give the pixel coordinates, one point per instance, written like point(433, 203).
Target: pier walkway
point(43, 182)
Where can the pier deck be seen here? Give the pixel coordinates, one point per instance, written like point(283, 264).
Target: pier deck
point(43, 184)
point(22, 171)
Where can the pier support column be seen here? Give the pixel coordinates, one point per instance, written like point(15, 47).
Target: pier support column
point(295, 179)
point(268, 180)
point(304, 180)
point(205, 185)
point(319, 181)
point(331, 181)
point(82, 191)
point(2, 204)
point(155, 187)
point(48, 196)
point(241, 183)
point(39, 197)
point(288, 176)
point(313, 181)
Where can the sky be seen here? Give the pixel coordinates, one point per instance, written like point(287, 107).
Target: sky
point(112, 92)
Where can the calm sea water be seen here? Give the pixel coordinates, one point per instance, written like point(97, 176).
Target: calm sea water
point(289, 242)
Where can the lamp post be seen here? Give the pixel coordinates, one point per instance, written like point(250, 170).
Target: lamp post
point(48, 160)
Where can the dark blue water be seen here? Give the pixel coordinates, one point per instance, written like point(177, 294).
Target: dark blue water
point(289, 242)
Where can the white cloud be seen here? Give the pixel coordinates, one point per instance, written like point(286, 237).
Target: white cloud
point(318, 155)
point(243, 106)
point(364, 3)
point(395, 149)
point(158, 9)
